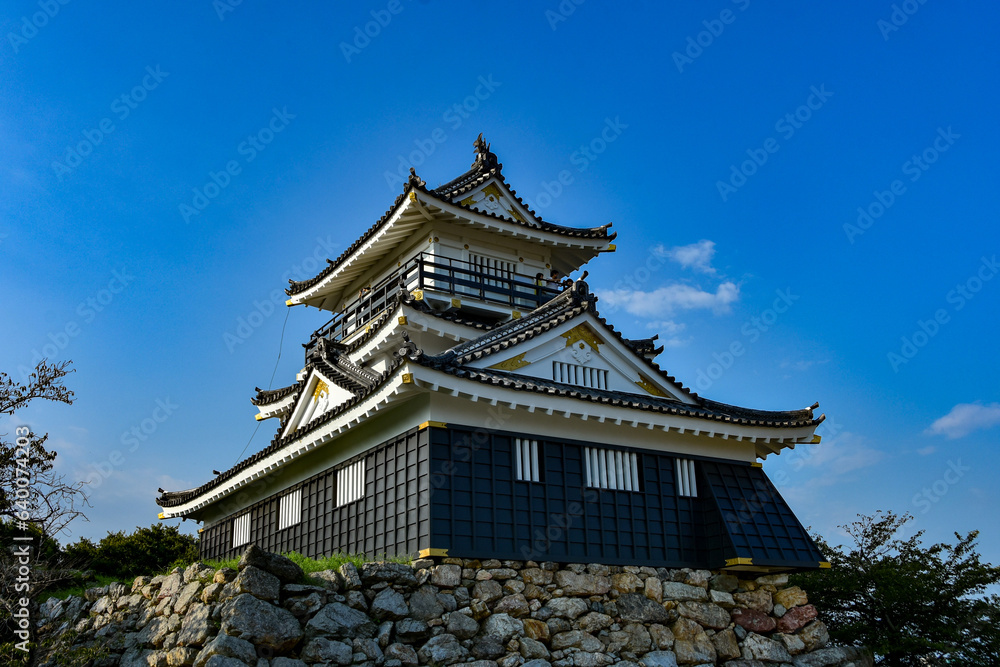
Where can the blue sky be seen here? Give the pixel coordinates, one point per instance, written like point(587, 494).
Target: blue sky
point(800, 191)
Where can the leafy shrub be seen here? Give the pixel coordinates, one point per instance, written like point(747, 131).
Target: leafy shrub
point(145, 551)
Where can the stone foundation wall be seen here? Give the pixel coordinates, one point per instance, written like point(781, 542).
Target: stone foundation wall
point(440, 612)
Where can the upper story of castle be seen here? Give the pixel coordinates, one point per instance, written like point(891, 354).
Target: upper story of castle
point(470, 246)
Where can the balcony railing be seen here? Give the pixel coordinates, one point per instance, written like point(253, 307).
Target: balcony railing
point(434, 274)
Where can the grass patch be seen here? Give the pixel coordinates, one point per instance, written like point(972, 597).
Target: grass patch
point(78, 590)
point(308, 565)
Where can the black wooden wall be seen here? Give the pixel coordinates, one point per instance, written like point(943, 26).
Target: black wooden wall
point(391, 519)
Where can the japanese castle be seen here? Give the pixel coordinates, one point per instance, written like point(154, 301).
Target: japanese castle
point(467, 399)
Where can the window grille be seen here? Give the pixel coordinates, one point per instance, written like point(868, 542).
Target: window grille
point(502, 271)
point(351, 483)
point(526, 460)
point(241, 530)
point(290, 509)
point(581, 376)
point(612, 469)
point(687, 485)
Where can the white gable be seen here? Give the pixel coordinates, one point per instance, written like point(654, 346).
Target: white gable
point(581, 353)
point(320, 396)
point(493, 197)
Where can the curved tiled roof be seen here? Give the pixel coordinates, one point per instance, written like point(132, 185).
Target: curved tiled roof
point(174, 498)
point(480, 172)
point(268, 396)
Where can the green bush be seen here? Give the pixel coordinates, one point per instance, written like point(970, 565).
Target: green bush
point(145, 551)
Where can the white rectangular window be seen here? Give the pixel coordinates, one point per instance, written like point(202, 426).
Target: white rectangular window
point(241, 530)
point(581, 376)
point(351, 483)
point(502, 270)
point(526, 460)
point(686, 483)
point(611, 469)
point(290, 509)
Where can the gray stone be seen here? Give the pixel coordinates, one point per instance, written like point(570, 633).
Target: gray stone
point(369, 648)
point(135, 657)
point(824, 657)
point(570, 608)
point(330, 579)
point(814, 635)
point(411, 630)
point(515, 605)
point(582, 584)
point(324, 649)
point(487, 591)
point(637, 607)
point(223, 661)
point(488, 647)
point(705, 613)
point(442, 650)
point(389, 605)
point(675, 590)
point(225, 575)
point(350, 577)
point(384, 634)
point(583, 659)
point(758, 599)
point(726, 645)
point(260, 623)
point(576, 639)
point(227, 647)
point(694, 651)
point(198, 572)
point(196, 627)
point(659, 659)
point(595, 622)
point(462, 625)
point(285, 662)
point(537, 663)
point(502, 626)
point(446, 576)
point(726, 583)
point(258, 583)
point(187, 595)
point(759, 647)
point(406, 655)
point(399, 574)
point(339, 620)
point(305, 605)
point(181, 656)
point(532, 649)
point(154, 633)
point(424, 605)
point(280, 566)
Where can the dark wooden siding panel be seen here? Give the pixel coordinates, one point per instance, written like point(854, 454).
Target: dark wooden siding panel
point(391, 519)
point(479, 509)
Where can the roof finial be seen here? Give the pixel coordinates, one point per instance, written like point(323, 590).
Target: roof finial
point(483, 152)
point(415, 180)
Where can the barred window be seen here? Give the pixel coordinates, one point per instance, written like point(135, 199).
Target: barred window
point(241, 530)
point(503, 271)
point(687, 485)
point(612, 469)
point(290, 509)
point(582, 376)
point(351, 483)
point(526, 460)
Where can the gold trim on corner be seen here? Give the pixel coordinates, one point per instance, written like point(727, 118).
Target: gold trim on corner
point(259, 417)
point(730, 562)
point(201, 530)
point(756, 464)
point(417, 294)
point(824, 565)
point(649, 387)
point(431, 423)
point(289, 302)
point(402, 319)
point(430, 553)
point(413, 197)
point(515, 314)
point(512, 364)
point(456, 303)
point(612, 247)
point(160, 516)
point(816, 439)
point(407, 378)
point(468, 201)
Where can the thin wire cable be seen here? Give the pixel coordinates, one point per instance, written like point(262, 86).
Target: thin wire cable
point(269, 384)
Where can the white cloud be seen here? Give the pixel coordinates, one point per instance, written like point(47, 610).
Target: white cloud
point(668, 327)
point(838, 456)
point(965, 418)
point(697, 256)
point(665, 301)
point(926, 451)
